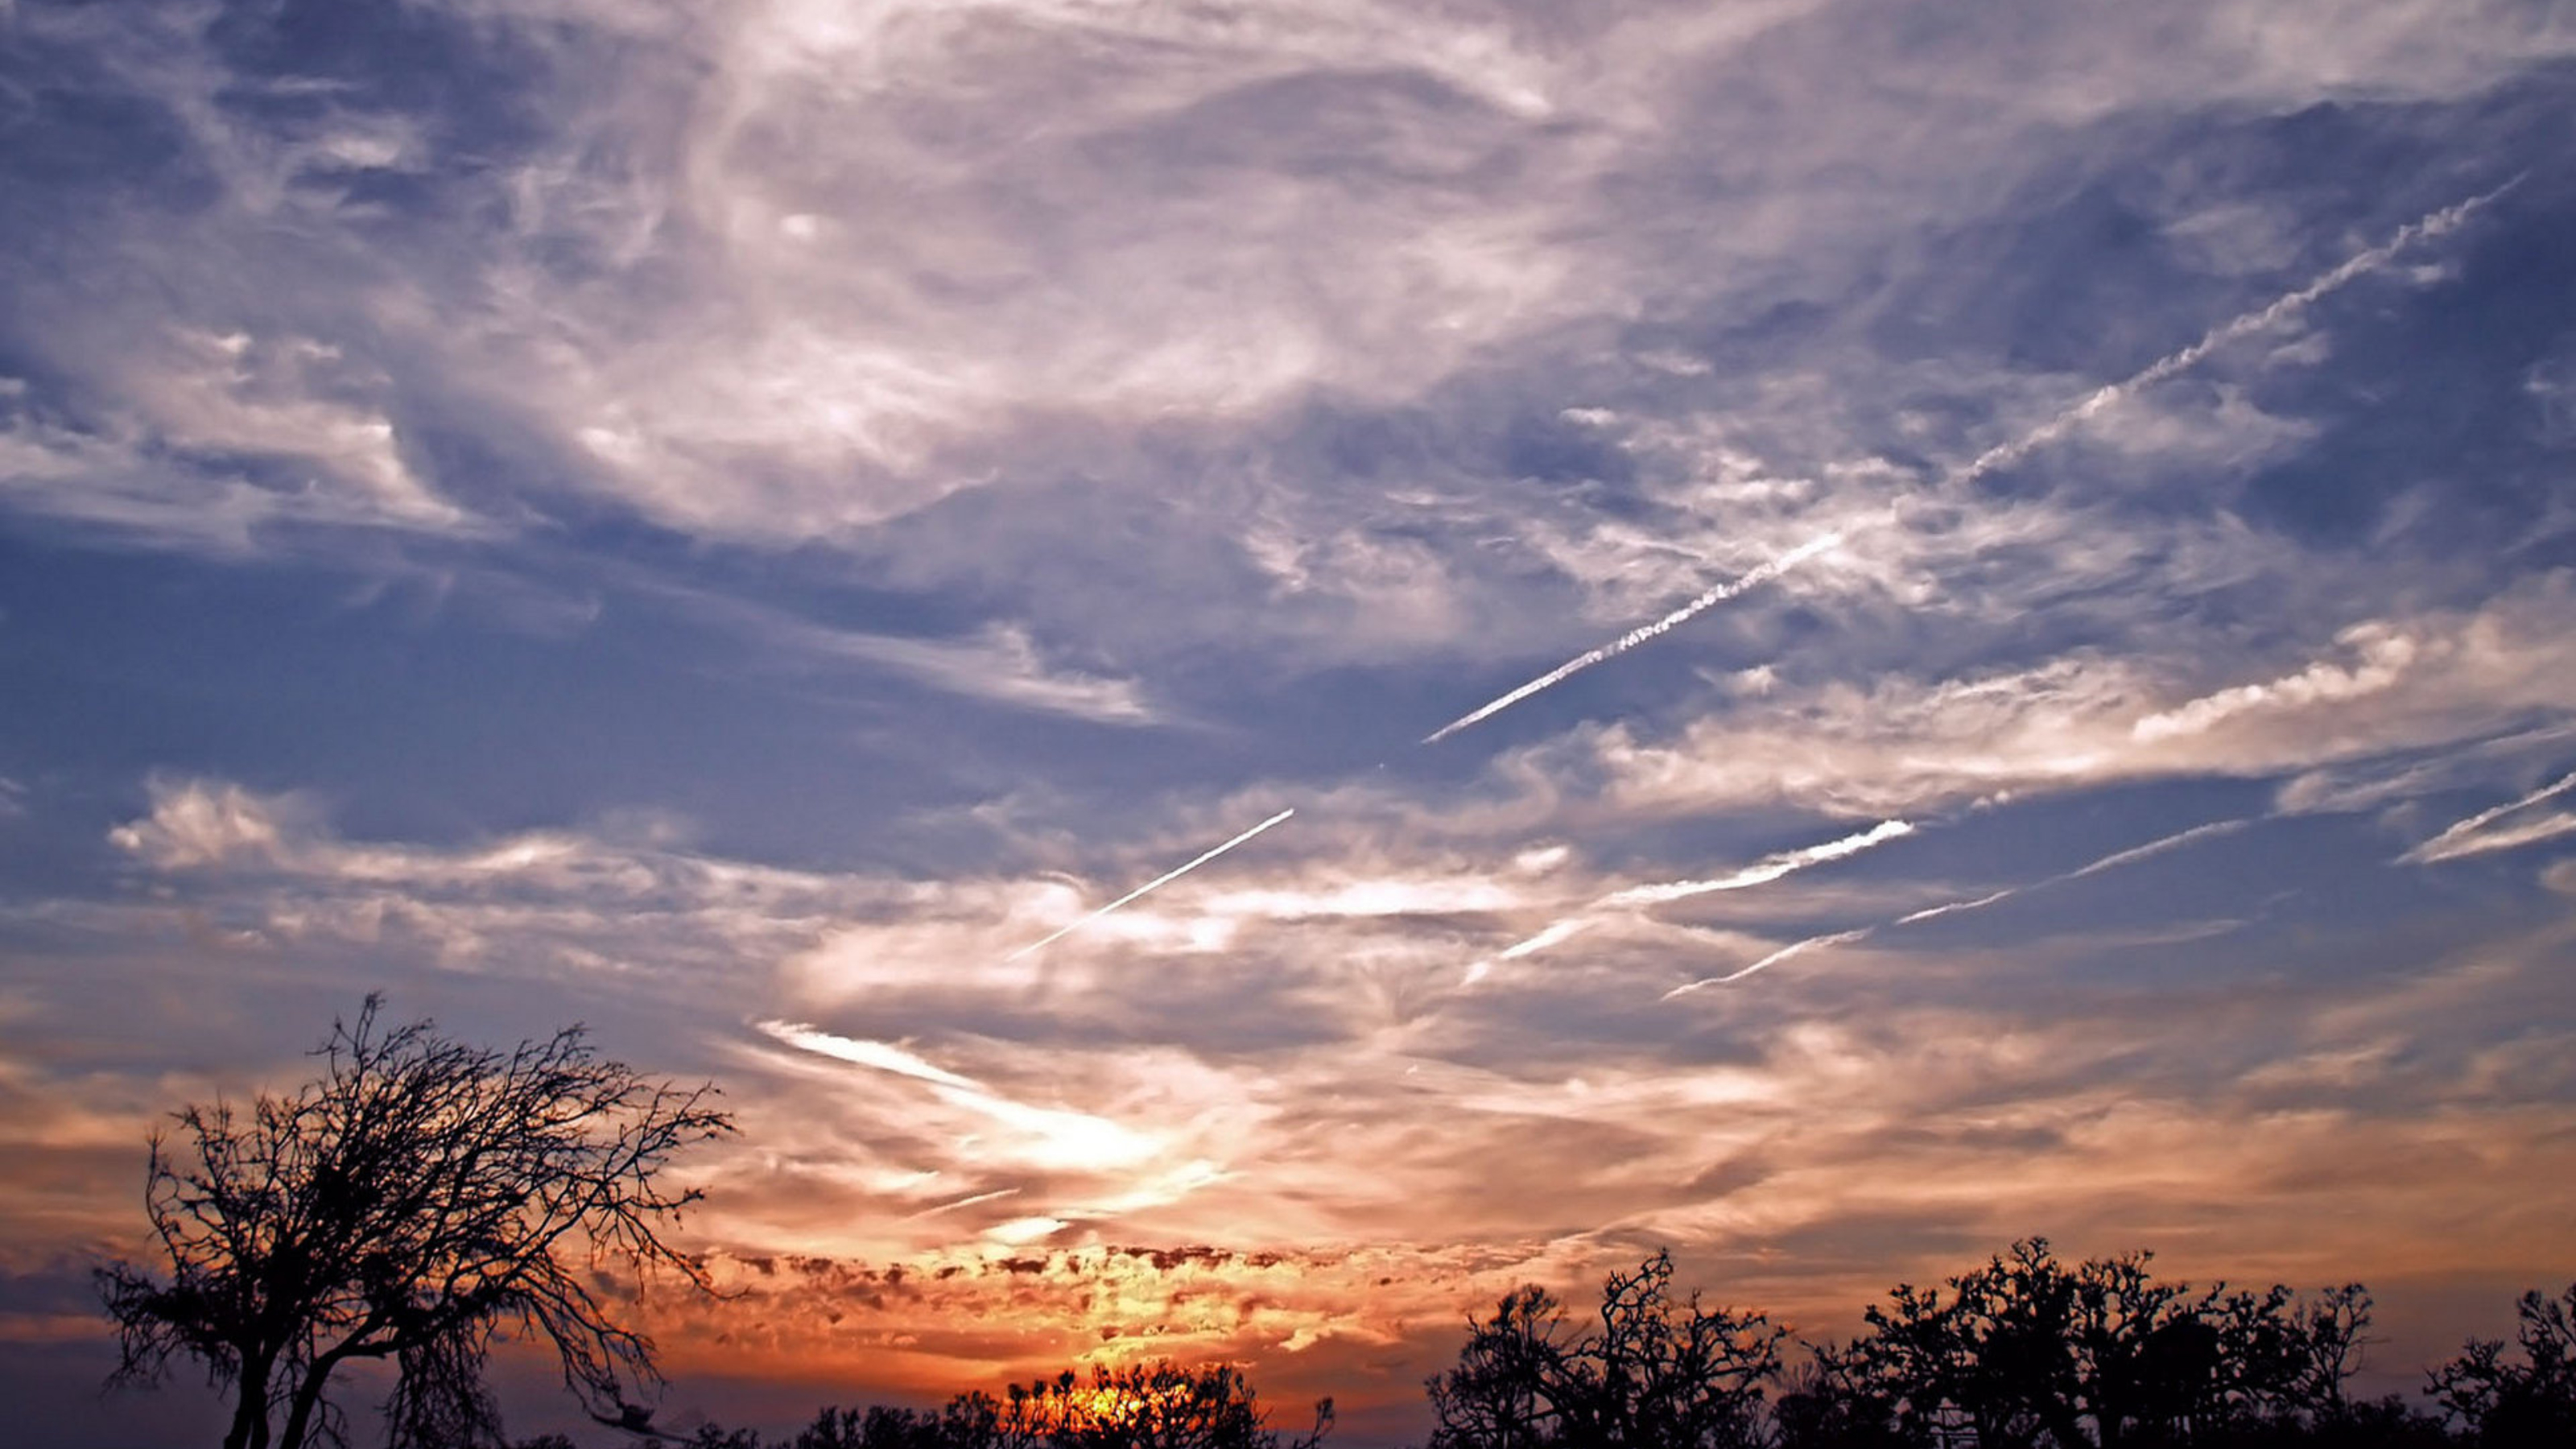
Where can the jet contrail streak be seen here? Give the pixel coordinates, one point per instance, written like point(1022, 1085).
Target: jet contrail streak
point(1794, 948)
point(1928, 912)
point(2112, 861)
point(2445, 845)
point(2430, 225)
point(1769, 868)
point(2137, 853)
point(962, 1202)
point(1161, 880)
point(1758, 575)
point(1544, 939)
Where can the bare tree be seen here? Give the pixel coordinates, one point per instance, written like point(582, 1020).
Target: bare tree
point(417, 1199)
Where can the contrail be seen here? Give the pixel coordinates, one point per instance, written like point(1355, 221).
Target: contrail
point(2432, 224)
point(1794, 948)
point(1544, 939)
point(1760, 574)
point(2175, 841)
point(962, 1202)
point(1928, 912)
point(2112, 861)
point(2456, 841)
point(1768, 868)
point(1161, 880)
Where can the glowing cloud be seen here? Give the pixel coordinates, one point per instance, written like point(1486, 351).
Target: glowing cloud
point(877, 1054)
point(1759, 575)
point(1161, 880)
point(1053, 1137)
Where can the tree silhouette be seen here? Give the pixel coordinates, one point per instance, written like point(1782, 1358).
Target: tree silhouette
point(1655, 1372)
point(2028, 1351)
point(2506, 1404)
point(418, 1198)
point(1157, 1405)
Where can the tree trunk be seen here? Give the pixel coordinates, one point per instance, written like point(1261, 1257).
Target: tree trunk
point(308, 1398)
point(250, 1411)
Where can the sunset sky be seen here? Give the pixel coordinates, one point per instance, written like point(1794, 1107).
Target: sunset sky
point(732, 523)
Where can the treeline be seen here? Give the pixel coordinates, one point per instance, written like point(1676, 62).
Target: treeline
point(422, 1198)
point(2026, 1352)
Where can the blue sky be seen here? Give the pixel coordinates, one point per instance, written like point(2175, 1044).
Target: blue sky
point(732, 525)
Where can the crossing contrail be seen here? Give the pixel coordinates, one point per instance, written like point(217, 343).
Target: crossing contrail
point(1159, 881)
point(1757, 576)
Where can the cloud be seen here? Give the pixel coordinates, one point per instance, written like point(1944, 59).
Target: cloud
point(2083, 719)
point(196, 823)
point(1000, 662)
point(865, 1053)
point(1050, 1137)
point(2384, 657)
point(1297, 371)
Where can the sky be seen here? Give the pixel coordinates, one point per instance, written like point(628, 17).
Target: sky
point(1820, 632)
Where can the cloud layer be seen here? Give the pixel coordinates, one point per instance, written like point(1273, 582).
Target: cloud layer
point(763, 529)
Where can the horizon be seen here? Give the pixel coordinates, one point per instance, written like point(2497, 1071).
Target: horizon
point(1246, 672)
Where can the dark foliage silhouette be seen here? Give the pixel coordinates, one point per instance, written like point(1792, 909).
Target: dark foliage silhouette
point(416, 1199)
point(2029, 1352)
point(1158, 1405)
point(2502, 1404)
point(2025, 1351)
point(1652, 1372)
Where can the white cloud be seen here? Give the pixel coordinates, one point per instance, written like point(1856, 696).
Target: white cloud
point(1903, 744)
